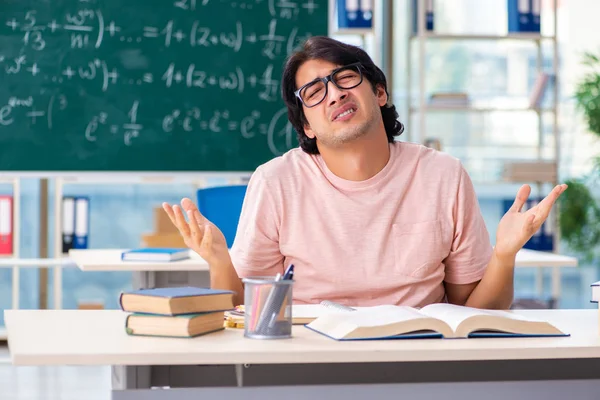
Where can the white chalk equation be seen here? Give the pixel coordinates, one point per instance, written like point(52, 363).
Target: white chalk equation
point(17, 108)
point(174, 75)
point(180, 70)
point(277, 131)
point(88, 29)
point(129, 129)
point(235, 80)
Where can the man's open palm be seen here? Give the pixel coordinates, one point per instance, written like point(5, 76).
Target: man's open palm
point(198, 233)
point(516, 227)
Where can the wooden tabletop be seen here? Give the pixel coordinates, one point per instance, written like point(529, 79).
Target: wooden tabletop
point(97, 337)
point(110, 260)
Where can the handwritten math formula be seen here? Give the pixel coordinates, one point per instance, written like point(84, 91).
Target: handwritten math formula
point(191, 68)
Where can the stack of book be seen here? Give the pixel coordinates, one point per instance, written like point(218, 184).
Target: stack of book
point(175, 311)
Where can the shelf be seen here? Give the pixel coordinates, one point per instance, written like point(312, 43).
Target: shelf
point(511, 36)
point(8, 262)
point(480, 109)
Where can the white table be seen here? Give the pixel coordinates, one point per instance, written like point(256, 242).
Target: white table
point(534, 258)
point(475, 366)
point(192, 271)
point(539, 259)
point(163, 273)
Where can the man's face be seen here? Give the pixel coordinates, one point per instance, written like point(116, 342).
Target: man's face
point(344, 114)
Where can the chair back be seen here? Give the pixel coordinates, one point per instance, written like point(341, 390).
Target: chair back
point(222, 205)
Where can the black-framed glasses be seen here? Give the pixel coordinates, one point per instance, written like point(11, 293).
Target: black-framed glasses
point(346, 77)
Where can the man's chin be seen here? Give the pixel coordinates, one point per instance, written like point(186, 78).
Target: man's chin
point(348, 136)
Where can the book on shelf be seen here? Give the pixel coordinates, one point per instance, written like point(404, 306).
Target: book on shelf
point(165, 254)
point(449, 99)
point(539, 89)
point(432, 321)
point(188, 325)
point(176, 300)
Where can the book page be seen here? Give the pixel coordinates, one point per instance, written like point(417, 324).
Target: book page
point(454, 315)
point(312, 310)
point(377, 315)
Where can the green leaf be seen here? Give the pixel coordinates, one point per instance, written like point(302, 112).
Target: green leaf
point(579, 219)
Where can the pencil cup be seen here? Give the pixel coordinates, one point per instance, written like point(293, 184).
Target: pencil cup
point(267, 308)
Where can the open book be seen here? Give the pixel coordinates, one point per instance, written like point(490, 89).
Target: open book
point(435, 320)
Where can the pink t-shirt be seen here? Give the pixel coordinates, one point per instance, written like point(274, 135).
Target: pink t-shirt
point(392, 239)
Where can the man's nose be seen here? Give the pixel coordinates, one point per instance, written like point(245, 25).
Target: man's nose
point(335, 94)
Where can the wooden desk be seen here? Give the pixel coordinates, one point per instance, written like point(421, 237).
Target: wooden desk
point(77, 337)
point(192, 271)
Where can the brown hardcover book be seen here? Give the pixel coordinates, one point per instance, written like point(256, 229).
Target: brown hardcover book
point(176, 300)
point(188, 325)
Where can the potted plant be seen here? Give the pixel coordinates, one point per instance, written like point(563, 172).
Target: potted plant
point(579, 218)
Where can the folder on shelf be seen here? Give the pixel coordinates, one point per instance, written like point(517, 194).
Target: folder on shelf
point(536, 9)
point(428, 16)
point(354, 14)
point(520, 16)
point(81, 222)
point(6, 225)
point(68, 223)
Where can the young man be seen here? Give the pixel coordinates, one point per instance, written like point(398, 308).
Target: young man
point(365, 219)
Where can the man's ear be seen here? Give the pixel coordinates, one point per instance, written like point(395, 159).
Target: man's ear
point(382, 97)
point(309, 132)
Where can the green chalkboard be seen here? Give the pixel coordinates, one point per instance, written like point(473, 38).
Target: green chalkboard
point(147, 85)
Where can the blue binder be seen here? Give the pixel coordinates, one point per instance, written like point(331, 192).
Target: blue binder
point(428, 16)
point(82, 222)
point(354, 14)
point(523, 16)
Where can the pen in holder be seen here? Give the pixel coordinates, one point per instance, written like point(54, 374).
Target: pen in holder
point(268, 307)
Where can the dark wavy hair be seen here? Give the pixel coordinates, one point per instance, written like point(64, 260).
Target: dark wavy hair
point(328, 49)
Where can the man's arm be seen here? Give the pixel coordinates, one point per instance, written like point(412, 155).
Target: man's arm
point(255, 250)
point(225, 277)
point(496, 288)
point(493, 291)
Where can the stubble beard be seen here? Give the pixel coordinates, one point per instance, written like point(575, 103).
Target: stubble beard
point(347, 134)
